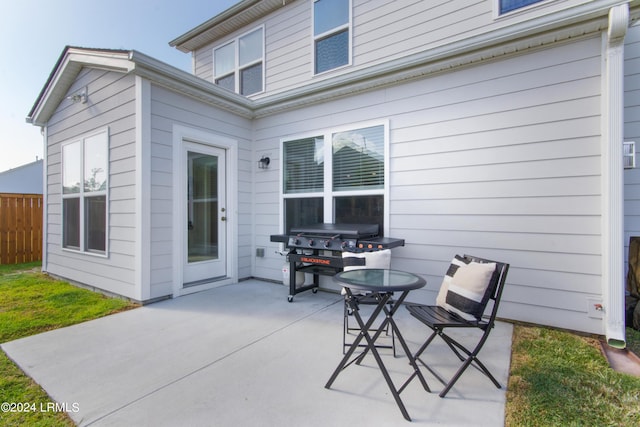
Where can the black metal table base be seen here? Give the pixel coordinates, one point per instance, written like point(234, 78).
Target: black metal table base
point(383, 299)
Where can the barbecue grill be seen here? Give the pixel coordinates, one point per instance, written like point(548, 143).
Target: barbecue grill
point(317, 249)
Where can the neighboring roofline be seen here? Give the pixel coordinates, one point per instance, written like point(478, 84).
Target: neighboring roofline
point(569, 24)
point(21, 166)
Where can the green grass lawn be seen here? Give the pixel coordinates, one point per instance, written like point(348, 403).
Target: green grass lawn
point(562, 379)
point(557, 378)
point(30, 303)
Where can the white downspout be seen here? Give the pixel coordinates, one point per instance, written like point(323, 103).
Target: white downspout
point(45, 197)
point(612, 173)
point(143, 283)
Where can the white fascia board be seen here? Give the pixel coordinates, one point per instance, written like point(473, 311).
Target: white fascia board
point(186, 83)
point(64, 75)
point(566, 24)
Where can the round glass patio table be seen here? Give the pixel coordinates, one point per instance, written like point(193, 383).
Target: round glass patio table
point(382, 284)
point(379, 280)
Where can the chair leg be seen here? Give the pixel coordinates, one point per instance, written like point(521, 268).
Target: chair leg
point(457, 348)
point(419, 359)
point(426, 343)
point(346, 329)
point(471, 360)
point(345, 325)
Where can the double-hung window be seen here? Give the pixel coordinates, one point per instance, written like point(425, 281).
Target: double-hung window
point(84, 193)
point(239, 65)
point(331, 34)
point(511, 5)
point(335, 176)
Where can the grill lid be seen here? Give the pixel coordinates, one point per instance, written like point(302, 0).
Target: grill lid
point(344, 230)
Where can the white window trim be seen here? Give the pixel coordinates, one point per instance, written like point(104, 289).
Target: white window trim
point(348, 26)
point(329, 194)
point(236, 66)
point(180, 135)
point(82, 250)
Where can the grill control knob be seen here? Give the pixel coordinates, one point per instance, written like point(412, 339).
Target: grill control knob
point(327, 243)
point(311, 242)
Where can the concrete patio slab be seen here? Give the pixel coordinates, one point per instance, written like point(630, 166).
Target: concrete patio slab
point(241, 355)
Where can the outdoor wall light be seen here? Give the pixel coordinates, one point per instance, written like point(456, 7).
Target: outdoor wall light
point(80, 96)
point(629, 154)
point(263, 163)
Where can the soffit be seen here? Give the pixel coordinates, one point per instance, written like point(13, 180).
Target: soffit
point(242, 14)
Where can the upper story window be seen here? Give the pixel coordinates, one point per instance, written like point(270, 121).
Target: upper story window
point(511, 5)
point(84, 193)
point(239, 64)
point(331, 34)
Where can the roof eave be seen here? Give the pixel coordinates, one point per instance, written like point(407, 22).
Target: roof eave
point(73, 60)
point(565, 25)
point(188, 84)
point(236, 17)
point(64, 73)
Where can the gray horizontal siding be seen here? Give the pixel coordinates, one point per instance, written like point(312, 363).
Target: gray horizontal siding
point(167, 109)
point(110, 104)
point(632, 133)
point(382, 31)
point(500, 160)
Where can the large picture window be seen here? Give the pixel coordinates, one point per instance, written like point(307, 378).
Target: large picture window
point(239, 65)
point(335, 176)
point(84, 193)
point(331, 34)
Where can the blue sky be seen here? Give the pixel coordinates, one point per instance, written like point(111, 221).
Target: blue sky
point(33, 34)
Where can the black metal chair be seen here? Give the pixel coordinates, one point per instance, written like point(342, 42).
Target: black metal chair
point(377, 259)
point(439, 318)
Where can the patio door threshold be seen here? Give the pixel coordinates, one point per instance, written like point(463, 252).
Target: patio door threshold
point(204, 281)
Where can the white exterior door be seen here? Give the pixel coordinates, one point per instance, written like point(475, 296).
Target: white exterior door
point(205, 211)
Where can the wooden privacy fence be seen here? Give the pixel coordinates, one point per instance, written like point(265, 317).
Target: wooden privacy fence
point(20, 228)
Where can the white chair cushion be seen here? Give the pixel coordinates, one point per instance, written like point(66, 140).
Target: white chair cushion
point(375, 259)
point(456, 263)
point(467, 291)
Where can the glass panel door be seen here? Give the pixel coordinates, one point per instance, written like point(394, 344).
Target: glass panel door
point(205, 214)
point(202, 207)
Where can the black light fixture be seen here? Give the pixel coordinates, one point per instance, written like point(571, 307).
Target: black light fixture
point(263, 163)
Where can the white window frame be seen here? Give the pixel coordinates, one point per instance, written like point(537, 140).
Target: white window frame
point(82, 196)
point(237, 66)
point(314, 38)
point(328, 194)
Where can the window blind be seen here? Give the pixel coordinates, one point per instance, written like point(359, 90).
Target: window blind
point(304, 165)
point(358, 159)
